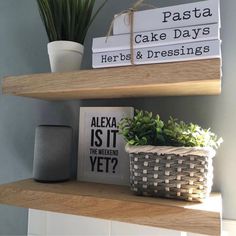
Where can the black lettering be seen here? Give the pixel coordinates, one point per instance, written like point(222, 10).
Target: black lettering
point(164, 53)
point(166, 15)
point(157, 54)
point(145, 39)
point(154, 37)
point(114, 132)
point(113, 124)
point(176, 52)
point(93, 161)
point(198, 51)
point(206, 49)
point(107, 159)
point(115, 164)
point(103, 122)
point(197, 13)
point(93, 123)
point(98, 142)
point(109, 59)
point(93, 151)
point(92, 138)
point(104, 59)
point(196, 33)
point(186, 34)
point(190, 51)
point(97, 122)
point(178, 33)
point(100, 164)
point(206, 31)
point(207, 12)
point(182, 51)
point(176, 16)
point(108, 138)
point(163, 36)
point(150, 54)
point(115, 57)
point(122, 57)
point(170, 53)
point(128, 57)
point(108, 120)
point(186, 15)
point(138, 38)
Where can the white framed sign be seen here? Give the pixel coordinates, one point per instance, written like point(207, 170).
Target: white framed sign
point(101, 152)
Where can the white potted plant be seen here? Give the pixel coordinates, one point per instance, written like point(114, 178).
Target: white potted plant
point(170, 159)
point(67, 23)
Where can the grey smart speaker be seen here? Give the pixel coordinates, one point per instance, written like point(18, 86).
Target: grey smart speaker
point(52, 153)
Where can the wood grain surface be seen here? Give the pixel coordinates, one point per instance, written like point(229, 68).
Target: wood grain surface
point(117, 203)
point(202, 77)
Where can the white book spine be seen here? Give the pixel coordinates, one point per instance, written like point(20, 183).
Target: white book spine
point(161, 54)
point(157, 38)
point(204, 12)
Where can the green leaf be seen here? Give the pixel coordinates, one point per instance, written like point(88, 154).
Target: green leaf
point(67, 19)
point(145, 129)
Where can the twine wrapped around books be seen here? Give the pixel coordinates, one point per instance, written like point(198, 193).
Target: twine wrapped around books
point(130, 13)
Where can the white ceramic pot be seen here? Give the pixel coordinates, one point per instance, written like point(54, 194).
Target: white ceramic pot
point(65, 55)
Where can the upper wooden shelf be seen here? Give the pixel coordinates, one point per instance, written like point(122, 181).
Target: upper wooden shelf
point(117, 203)
point(201, 77)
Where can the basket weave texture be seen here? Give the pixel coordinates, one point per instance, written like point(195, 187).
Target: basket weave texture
point(172, 172)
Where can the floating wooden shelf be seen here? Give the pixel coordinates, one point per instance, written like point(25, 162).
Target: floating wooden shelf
point(117, 203)
point(201, 77)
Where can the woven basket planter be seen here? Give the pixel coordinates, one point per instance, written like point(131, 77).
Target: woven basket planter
point(184, 173)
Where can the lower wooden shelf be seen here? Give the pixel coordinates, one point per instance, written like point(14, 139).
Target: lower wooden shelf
point(117, 203)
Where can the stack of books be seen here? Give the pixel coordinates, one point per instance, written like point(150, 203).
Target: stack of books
point(176, 33)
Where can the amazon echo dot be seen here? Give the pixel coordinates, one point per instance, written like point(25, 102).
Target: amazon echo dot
point(52, 153)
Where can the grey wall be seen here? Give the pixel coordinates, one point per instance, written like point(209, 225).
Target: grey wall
point(23, 51)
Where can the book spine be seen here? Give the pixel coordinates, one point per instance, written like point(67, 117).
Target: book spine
point(161, 54)
point(204, 12)
point(157, 38)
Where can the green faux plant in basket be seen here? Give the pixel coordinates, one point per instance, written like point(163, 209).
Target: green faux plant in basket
point(172, 159)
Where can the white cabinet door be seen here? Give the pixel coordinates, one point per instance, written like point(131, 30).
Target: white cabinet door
point(65, 225)
point(37, 222)
point(43, 223)
point(124, 229)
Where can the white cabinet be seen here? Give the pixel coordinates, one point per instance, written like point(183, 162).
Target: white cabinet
point(37, 222)
point(44, 223)
point(124, 229)
point(62, 224)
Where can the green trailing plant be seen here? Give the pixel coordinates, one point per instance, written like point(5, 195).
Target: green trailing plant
point(146, 129)
point(67, 19)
